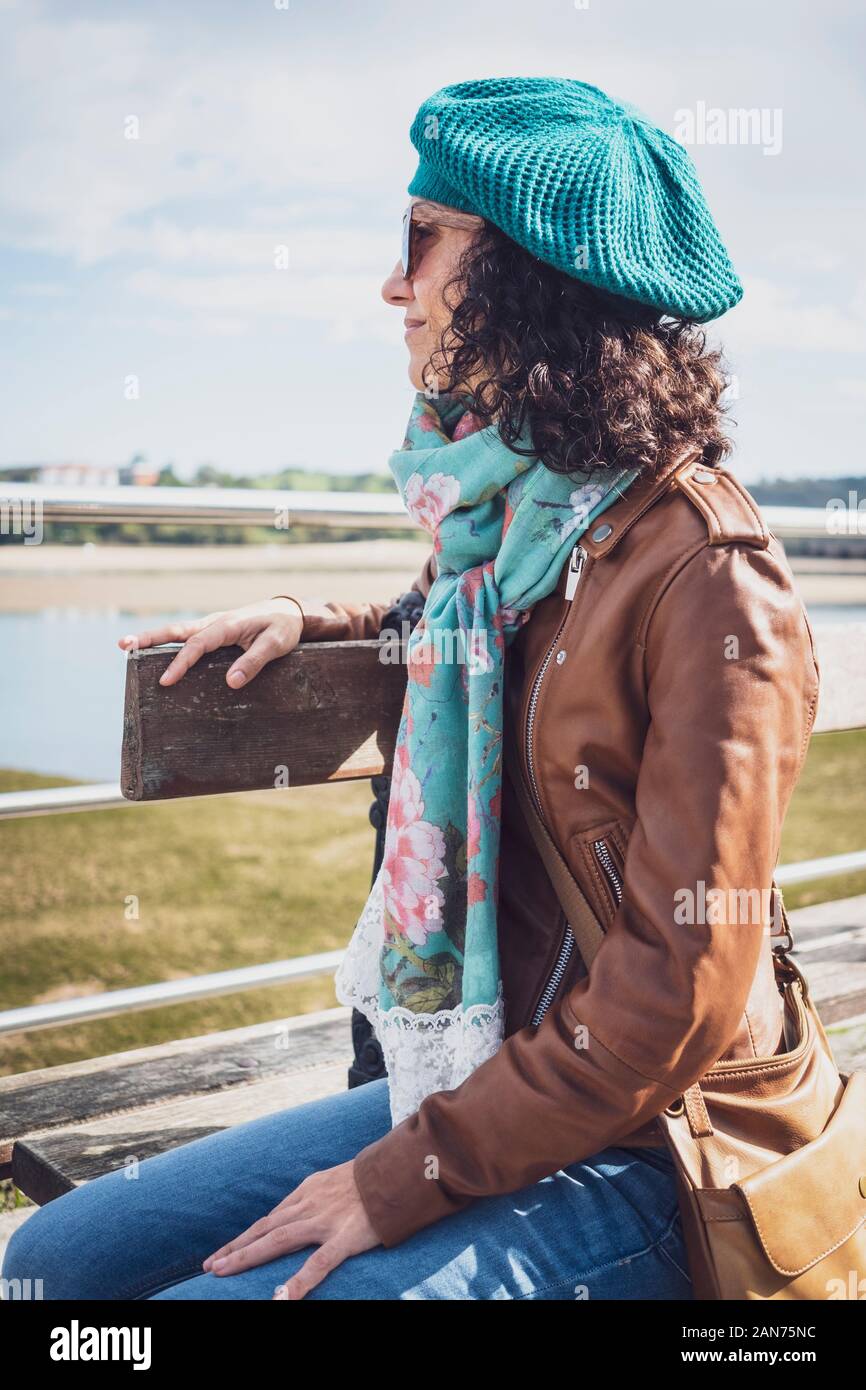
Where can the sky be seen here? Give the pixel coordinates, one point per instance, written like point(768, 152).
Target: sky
point(153, 156)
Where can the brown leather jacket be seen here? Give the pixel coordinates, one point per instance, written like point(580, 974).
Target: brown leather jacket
point(663, 698)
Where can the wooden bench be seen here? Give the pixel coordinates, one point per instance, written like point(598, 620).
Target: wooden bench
point(325, 713)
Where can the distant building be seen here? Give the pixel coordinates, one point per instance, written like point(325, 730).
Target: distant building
point(78, 474)
point(139, 474)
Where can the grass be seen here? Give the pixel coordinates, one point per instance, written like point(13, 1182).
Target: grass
point(103, 900)
point(107, 899)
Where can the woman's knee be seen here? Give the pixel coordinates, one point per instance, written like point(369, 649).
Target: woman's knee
point(33, 1265)
point(70, 1248)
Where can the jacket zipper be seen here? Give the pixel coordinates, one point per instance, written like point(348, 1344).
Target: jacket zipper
point(565, 952)
point(603, 855)
point(575, 570)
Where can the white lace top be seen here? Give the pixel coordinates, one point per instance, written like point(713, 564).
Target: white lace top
point(423, 1052)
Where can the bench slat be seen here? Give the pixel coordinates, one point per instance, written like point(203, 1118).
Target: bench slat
point(45, 1166)
point(81, 1092)
point(327, 712)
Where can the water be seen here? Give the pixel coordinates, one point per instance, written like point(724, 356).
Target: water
point(831, 613)
point(61, 693)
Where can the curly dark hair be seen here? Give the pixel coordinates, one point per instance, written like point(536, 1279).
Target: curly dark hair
point(602, 381)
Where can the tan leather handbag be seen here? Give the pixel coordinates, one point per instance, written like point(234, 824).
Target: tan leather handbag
point(770, 1153)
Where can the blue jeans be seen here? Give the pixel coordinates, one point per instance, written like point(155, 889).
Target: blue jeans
point(605, 1228)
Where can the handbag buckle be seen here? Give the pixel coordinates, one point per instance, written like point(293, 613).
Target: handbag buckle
point(795, 975)
point(781, 938)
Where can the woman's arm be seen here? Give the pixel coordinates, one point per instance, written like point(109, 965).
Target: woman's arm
point(267, 630)
point(663, 999)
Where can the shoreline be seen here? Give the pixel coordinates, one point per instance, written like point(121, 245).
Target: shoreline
point(159, 579)
point(201, 579)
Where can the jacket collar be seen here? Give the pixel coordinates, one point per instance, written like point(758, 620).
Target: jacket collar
point(605, 533)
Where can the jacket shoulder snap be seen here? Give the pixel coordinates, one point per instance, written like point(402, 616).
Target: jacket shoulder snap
point(728, 509)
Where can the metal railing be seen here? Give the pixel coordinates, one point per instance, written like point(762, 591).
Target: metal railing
point(124, 1001)
point(281, 507)
point(252, 506)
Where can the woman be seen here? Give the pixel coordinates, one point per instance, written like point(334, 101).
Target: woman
point(645, 684)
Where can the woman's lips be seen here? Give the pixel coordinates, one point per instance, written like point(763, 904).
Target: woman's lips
point(412, 326)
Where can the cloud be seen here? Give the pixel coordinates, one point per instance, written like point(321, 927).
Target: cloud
point(852, 390)
point(214, 128)
point(772, 315)
point(349, 304)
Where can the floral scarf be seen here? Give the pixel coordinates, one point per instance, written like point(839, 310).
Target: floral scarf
point(423, 963)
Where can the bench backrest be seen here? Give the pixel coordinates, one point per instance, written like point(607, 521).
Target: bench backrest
point(329, 712)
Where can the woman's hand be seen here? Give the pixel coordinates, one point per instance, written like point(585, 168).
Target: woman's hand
point(264, 630)
point(324, 1210)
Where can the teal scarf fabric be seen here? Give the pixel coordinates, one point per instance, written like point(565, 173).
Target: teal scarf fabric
point(503, 526)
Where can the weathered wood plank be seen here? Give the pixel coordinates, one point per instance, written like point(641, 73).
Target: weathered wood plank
point(327, 712)
point(47, 1165)
point(54, 1097)
point(830, 949)
point(838, 988)
point(158, 1097)
point(849, 1046)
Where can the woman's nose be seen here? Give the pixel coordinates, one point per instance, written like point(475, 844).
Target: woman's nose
point(397, 289)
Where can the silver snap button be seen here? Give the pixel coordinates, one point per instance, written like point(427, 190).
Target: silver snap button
point(602, 532)
point(560, 657)
point(704, 475)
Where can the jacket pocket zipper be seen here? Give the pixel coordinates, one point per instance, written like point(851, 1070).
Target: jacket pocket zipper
point(555, 980)
point(575, 570)
point(605, 859)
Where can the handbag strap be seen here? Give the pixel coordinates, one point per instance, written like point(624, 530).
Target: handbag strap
point(588, 931)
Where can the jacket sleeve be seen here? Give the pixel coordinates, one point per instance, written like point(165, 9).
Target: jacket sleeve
point(326, 621)
point(731, 685)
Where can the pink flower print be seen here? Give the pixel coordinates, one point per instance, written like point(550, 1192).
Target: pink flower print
point(467, 424)
point(414, 858)
point(429, 502)
point(479, 659)
point(510, 616)
point(470, 583)
point(426, 422)
point(421, 660)
point(473, 829)
point(509, 620)
point(476, 889)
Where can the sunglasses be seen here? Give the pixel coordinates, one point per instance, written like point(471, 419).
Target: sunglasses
point(416, 218)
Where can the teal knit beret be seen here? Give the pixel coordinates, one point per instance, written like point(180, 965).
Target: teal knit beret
point(583, 182)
